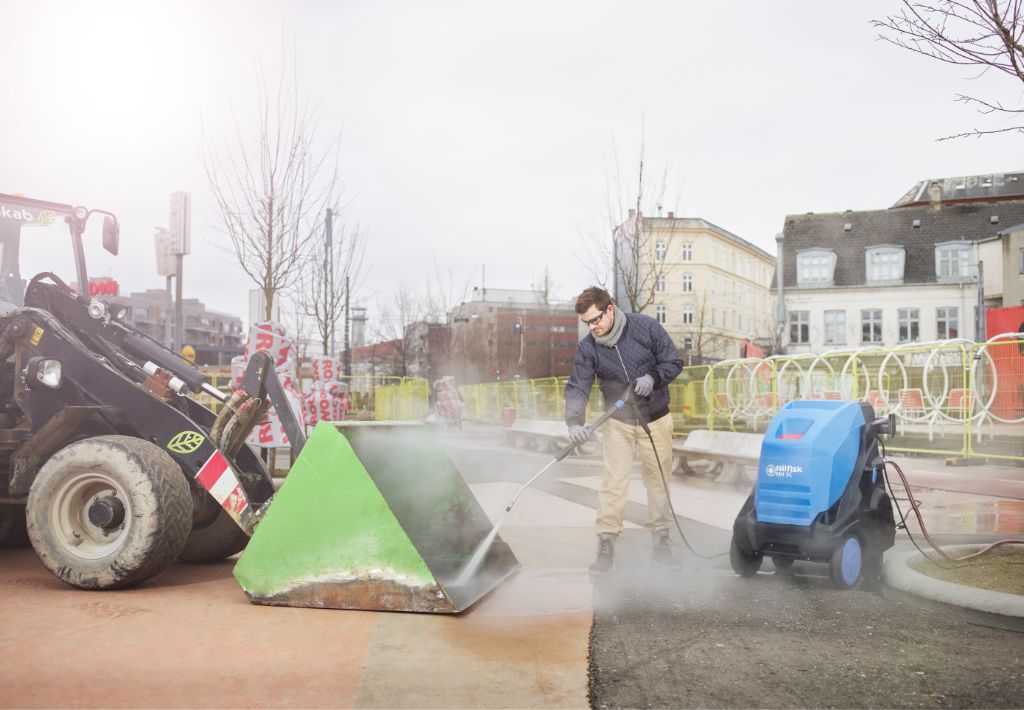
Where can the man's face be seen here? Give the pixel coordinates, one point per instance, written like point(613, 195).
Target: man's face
point(599, 321)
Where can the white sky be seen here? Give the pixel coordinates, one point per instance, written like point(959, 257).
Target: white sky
point(478, 133)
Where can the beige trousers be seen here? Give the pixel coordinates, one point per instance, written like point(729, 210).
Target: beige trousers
point(621, 442)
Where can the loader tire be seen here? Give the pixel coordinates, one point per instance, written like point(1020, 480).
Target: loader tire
point(13, 532)
point(109, 512)
point(214, 536)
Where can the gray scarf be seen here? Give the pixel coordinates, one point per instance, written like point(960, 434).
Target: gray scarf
point(610, 338)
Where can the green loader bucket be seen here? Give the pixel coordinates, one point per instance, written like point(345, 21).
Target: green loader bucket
point(372, 515)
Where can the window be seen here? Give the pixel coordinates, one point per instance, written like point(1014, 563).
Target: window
point(687, 252)
point(884, 264)
point(835, 327)
point(910, 324)
point(815, 267)
point(800, 327)
point(659, 251)
point(952, 261)
point(871, 325)
point(687, 315)
point(687, 343)
point(661, 313)
point(687, 283)
point(659, 284)
point(1021, 260)
point(946, 323)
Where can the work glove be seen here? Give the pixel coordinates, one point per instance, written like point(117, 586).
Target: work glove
point(578, 434)
point(644, 386)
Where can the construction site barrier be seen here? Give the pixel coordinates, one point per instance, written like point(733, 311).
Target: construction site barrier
point(954, 398)
point(369, 397)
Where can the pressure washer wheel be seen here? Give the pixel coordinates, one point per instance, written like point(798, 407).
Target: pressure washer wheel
point(846, 567)
point(745, 564)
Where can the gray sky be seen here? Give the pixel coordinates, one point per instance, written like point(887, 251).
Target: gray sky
point(479, 133)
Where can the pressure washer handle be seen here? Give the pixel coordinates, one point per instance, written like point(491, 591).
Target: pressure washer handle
point(619, 404)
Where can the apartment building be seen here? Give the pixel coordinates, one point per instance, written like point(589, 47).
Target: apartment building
point(711, 288)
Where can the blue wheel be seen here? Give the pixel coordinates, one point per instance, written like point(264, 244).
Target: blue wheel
point(847, 564)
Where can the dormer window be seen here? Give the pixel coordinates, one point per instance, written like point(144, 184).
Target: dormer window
point(953, 261)
point(815, 267)
point(884, 264)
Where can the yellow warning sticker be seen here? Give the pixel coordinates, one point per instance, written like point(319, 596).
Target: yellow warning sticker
point(37, 335)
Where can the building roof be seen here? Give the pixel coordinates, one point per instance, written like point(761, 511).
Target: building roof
point(673, 223)
point(967, 188)
point(971, 222)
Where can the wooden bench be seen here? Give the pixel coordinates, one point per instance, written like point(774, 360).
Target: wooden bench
point(738, 453)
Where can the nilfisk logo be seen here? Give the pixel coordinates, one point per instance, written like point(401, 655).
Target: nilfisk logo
point(782, 469)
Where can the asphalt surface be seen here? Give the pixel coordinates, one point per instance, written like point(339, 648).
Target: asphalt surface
point(700, 636)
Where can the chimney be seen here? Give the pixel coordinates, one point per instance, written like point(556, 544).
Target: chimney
point(935, 195)
point(780, 306)
point(671, 215)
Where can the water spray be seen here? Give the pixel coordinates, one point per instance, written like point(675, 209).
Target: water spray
point(478, 555)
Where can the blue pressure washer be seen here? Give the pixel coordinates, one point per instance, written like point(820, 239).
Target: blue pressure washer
point(820, 493)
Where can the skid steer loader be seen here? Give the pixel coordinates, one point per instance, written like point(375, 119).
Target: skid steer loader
point(96, 428)
point(111, 471)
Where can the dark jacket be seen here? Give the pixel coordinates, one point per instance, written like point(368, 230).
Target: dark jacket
point(645, 348)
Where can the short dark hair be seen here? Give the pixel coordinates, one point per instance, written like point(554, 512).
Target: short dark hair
point(593, 296)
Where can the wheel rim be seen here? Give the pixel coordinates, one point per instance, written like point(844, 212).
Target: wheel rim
point(851, 564)
point(69, 515)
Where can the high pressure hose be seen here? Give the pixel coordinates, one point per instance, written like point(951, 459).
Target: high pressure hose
point(920, 521)
point(664, 482)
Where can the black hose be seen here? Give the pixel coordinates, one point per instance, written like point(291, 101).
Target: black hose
point(664, 482)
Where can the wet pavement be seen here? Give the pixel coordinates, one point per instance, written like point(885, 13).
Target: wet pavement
point(694, 637)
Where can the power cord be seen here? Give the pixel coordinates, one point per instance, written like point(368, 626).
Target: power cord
point(886, 462)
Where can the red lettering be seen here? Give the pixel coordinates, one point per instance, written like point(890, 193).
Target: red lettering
point(264, 341)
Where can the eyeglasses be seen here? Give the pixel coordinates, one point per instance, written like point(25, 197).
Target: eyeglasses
point(594, 321)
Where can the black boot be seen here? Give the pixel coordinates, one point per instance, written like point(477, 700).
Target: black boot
point(662, 553)
point(605, 561)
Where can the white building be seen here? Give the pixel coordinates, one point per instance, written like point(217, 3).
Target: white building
point(904, 274)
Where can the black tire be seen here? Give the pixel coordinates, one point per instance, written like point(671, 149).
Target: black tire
point(109, 473)
point(846, 566)
point(214, 535)
point(13, 530)
point(745, 564)
point(781, 563)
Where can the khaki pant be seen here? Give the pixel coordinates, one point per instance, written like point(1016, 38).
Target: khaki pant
point(621, 442)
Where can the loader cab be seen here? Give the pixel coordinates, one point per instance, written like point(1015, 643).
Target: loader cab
point(33, 237)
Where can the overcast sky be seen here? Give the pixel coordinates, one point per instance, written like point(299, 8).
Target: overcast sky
point(479, 133)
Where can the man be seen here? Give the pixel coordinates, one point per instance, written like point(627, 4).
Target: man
point(625, 350)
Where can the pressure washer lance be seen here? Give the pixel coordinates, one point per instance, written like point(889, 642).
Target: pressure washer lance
point(485, 545)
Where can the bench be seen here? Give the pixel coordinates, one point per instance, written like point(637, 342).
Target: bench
point(545, 435)
point(738, 453)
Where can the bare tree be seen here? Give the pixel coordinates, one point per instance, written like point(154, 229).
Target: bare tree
point(633, 261)
point(984, 34)
point(546, 286)
point(404, 308)
point(333, 271)
point(271, 190)
point(708, 341)
point(444, 291)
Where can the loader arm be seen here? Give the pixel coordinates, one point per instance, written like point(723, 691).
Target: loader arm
point(248, 405)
